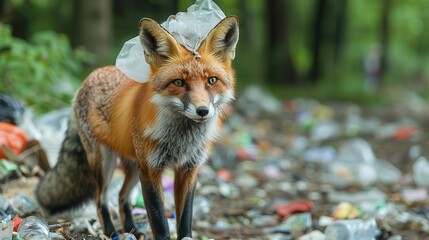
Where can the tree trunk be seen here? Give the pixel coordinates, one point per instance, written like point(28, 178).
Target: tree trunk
point(280, 66)
point(92, 27)
point(384, 37)
point(9, 15)
point(339, 31)
point(318, 26)
point(246, 24)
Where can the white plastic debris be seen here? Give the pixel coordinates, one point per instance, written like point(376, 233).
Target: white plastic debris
point(192, 27)
point(131, 61)
point(188, 28)
point(421, 172)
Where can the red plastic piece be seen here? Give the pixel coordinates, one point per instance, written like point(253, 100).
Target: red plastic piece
point(13, 137)
point(285, 210)
point(16, 222)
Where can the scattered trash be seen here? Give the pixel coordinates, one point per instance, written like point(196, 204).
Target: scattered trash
point(313, 235)
point(301, 169)
point(33, 227)
point(421, 172)
point(22, 205)
point(11, 109)
point(346, 210)
point(12, 137)
point(285, 210)
point(254, 102)
point(415, 195)
point(356, 229)
point(6, 228)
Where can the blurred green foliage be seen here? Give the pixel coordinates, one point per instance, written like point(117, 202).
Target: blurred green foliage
point(43, 71)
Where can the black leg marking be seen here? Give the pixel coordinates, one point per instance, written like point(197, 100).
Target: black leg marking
point(156, 212)
point(109, 229)
point(129, 224)
point(186, 220)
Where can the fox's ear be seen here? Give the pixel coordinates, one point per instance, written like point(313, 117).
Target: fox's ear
point(223, 38)
point(159, 46)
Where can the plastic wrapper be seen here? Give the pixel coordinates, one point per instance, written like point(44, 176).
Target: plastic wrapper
point(188, 28)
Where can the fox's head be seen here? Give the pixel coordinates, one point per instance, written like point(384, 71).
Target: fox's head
point(199, 87)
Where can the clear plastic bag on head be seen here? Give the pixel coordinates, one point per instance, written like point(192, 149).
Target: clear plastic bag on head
point(188, 28)
point(131, 61)
point(192, 27)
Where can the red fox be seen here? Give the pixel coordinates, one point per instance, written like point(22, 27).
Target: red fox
point(170, 121)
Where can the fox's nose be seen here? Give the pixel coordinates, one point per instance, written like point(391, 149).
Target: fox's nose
point(203, 111)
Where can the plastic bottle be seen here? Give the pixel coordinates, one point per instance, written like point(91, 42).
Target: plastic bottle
point(356, 229)
point(32, 228)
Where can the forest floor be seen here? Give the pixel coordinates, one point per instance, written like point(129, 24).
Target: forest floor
point(289, 173)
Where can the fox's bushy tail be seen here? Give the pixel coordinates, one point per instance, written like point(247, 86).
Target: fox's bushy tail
point(70, 183)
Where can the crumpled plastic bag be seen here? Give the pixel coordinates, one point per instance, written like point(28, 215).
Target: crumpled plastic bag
point(188, 28)
point(11, 109)
point(192, 27)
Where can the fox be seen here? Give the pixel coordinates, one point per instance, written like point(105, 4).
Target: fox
point(170, 121)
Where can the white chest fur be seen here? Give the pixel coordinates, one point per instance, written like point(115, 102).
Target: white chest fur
point(182, 142)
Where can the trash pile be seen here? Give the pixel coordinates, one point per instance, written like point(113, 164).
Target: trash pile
point(298, 169)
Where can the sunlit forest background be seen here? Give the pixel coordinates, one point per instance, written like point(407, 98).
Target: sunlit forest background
point(354, 50)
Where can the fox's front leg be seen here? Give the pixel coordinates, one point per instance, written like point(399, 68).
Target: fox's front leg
point(151, 181)
point(184, 189)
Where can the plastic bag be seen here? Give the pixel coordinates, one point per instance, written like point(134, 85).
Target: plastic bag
point(11, 110)
point(12, 137)
point(188, 28)
point(131, 61)
point(192, 27)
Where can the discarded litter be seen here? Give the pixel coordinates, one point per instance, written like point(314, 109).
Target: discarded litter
point(357, 229)
point(307, 170)
point(33, 227)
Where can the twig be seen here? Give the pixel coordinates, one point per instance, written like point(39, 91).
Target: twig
point(59, 225)
point(11, 155)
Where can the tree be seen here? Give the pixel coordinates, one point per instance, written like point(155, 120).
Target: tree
point(327, 37)
point(319, 33)
point(280, 65)
point(384, 36)
point(92, 27)
point(339, 31)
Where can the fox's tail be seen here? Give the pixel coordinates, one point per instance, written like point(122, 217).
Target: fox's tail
point(71, 183)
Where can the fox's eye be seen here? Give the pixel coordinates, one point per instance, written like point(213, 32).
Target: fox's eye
point(179, 82)
point(212, 80)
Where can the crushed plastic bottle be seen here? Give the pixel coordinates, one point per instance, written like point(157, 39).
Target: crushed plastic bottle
point(356, 229)
point(33, 227)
